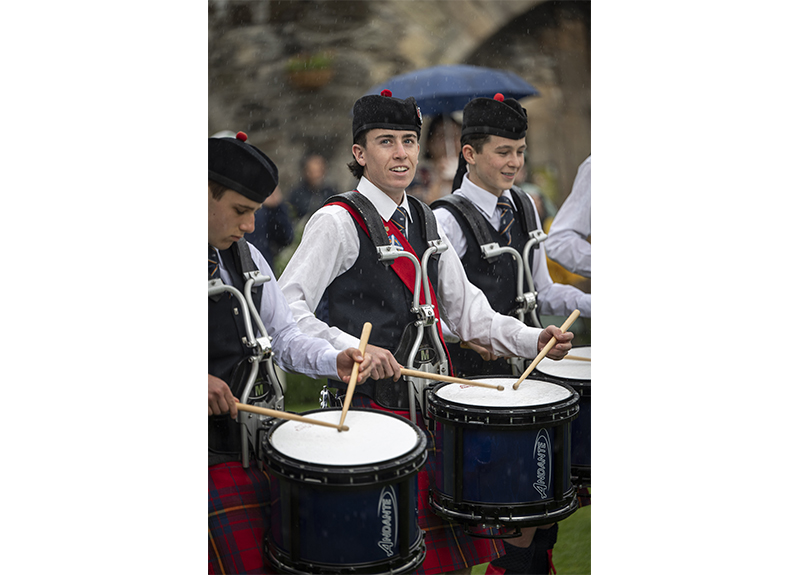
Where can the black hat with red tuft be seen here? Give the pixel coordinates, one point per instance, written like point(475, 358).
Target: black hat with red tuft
point(384, 111)
point(497, 116)
point(241, 167)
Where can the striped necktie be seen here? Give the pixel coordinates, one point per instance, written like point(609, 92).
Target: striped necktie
point(506, 217)
point(399, 219)
point(213, 264)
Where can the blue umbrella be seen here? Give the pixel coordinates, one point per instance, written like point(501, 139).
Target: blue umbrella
point(448, 88)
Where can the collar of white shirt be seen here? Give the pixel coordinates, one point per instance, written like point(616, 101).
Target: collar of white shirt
point(383, 203)
point(485, 201)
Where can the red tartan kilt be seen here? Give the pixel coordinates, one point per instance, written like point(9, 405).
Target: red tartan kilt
point(238, 511)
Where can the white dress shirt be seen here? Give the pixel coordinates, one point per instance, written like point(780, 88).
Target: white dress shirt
point(330, 246)
point(294, 350)
point(552, 298)
point(567, 240)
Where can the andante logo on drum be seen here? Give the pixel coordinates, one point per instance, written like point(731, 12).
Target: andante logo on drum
point(387, 514)
point(542, 454)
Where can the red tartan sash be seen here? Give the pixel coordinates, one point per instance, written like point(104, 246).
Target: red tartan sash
point(405, 270)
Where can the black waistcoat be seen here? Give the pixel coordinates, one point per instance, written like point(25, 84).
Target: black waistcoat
point(226, 349)
point(372, 292)
point(497, 279)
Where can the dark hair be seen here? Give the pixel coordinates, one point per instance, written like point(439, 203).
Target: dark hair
point(475, 140)
point(355, 168)
point(217, 189)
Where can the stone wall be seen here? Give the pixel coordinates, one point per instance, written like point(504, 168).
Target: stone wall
point(250, 44)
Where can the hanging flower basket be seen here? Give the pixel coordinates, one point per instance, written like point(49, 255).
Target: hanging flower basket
point(309, 72)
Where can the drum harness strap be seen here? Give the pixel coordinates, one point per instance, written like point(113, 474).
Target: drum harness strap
point(491, 250)
point(365, 214)
point(261, 347)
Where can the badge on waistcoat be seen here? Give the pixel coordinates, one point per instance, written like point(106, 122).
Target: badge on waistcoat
point(393, 240)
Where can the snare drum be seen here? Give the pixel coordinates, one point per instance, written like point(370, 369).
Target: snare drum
point(503, 457)
point(344, 501)
point(578, 375)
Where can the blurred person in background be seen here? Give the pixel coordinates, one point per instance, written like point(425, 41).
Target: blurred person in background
point(312, 190)
point(439, 161)
point(273, 229)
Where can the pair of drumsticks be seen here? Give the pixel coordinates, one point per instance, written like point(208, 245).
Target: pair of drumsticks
point(362, 347)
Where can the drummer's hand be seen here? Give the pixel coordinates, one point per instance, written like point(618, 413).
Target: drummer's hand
point(345, 361)
point(563, 342)
point(220, 398)
point(383, 363)
point(485, 353)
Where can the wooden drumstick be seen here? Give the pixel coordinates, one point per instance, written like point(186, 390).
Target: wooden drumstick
point(447, 378)
point(548, 346)
point(577, 357)
point(284, 415)
point(351, 387)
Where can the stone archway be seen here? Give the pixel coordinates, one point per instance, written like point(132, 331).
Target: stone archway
point(251, 42)
point(550, 47)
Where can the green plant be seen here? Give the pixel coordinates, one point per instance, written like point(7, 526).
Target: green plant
point(317, 61)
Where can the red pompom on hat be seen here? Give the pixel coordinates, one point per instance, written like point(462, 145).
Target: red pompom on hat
point(499, 97)
point(387, 93)
point(241, 136)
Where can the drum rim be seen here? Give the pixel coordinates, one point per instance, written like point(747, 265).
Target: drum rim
point(543, 406)
point(582, 386)
point(546, 413)
point(403, 466)
point(557, 379)
point(491, 515)
point(417, 550)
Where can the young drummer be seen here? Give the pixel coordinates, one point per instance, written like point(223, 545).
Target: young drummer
point(493, 146)
point(240, 177)
point(336, 276)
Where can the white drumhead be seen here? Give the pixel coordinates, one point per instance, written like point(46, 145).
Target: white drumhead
point(373, 437)
point(569, 368)
point(529, 394)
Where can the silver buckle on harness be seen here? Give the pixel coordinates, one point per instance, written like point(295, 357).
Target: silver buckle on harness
point(491, 250)
point(538, 235)
point(426, 315)
point(387, 254)
point(527, 302)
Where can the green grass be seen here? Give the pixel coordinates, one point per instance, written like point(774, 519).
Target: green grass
point(572, 552)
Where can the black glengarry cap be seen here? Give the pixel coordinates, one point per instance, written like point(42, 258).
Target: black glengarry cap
point(384, 111)
point(241, 167)
point(497, 116)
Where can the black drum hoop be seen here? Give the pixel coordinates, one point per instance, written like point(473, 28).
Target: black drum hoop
point(504, 515)
point(397, 565)
point(343, 475)
point(561, 411)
